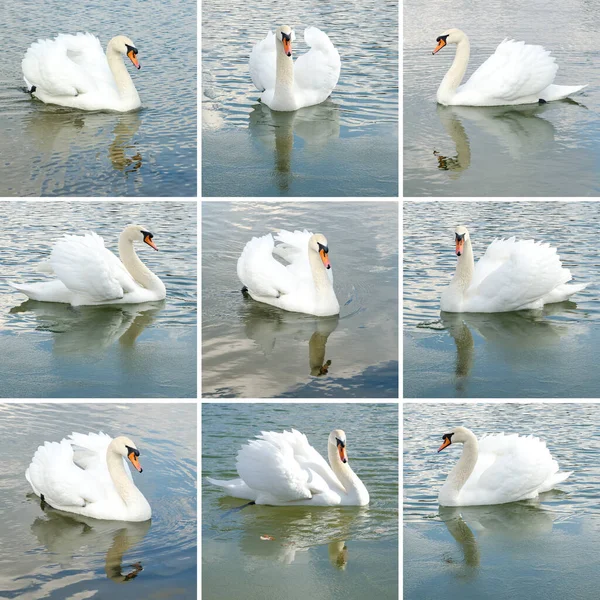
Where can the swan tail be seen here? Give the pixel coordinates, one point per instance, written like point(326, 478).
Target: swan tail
point(560, 92)
point(564, 292)
point(554, 480)
point(234, 487)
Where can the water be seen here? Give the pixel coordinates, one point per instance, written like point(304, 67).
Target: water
point(47, 554)
point(547, 353)
point(317, 553)
point(52, 151)
point(254, 350)
point(347, 146)
point(55, 350)
point(548, 150)
point(537, 549)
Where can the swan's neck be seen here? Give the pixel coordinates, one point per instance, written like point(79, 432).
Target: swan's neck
point(455, 73)
point(129, 493)
point(123, 80)
point(355, 488)
point(137, 269)
point(319, 272)
point(463, 468)
point(284, 73)
point(464, 269)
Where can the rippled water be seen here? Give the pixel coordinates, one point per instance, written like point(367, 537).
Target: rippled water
point(51, 151)
point(538, 549)
point(548, 150)
point(317, 552)
point(47, 554)
point(55, 350)
point(254, 350)
point(347, 146)
point(547, 353)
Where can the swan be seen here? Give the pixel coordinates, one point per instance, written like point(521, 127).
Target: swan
point(304, 285)
point(287, 86)
point(517, 73)
point(511, 275)
point(283, 469)
point(73, 71)
point(498, 469)
point(87, 273)
point(87, 475)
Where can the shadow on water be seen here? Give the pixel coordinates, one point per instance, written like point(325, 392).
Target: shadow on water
point(275, 131)
point(91, 329)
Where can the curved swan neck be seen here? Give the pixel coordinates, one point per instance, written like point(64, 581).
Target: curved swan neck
point(350, 481)
point(124, 486)
point(121, 74)
point(464, 268)
point(319, 272)
point(137, 269)
point(284, 73)
point(456, 72)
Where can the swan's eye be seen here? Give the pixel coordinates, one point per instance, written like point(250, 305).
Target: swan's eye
point(133, 451)
point(324, 248)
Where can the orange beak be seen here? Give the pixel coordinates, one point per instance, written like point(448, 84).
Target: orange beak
point(325, 259)
point(134, 461)
point(133, 59)
point(446, 443)
point(459, 247)
point(150, 243)
point(440, 45)
point(287, 47)
point(342, 452)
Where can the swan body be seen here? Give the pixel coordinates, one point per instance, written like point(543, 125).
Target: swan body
point(288, 86)
point(87, 475)
point(511, 275)
point(74, 71)
point(304, 285)
point(283, 469)
point(498, 469)
point(88, 274)
point(517, 73)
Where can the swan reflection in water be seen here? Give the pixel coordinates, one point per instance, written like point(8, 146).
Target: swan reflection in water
point(519, 129)
point(525, 330)
point(264, 325)
point(91, 329)
point(516, 522)
point(316, 125)
point(71, 538)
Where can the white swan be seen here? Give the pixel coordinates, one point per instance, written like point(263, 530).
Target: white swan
point(304, 285)
point(511, 275)
point(517, 73)
point(87, 273)
point(287, 86)
point(283, 469)
point(73, 71)
point(88, 475)
point(498, 469)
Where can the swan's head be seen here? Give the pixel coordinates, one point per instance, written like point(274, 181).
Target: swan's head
point(450, 36)
point(318, 243)
point(459, 435)
point(124, 45)
point(461, 237)
point(285, 35)
point(125, 447)
point(337, 439)
point(137, 233)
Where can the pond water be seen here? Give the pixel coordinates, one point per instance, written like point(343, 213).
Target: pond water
point(317, 553)
point(53, 151)
point(49, 554)
point(548, 353)
point(254, 350)
point(347, 146)
point(135, 350)
point(531, 150)
point(541, 549)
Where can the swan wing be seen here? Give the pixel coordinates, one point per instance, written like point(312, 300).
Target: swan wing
point(263, 63)
point(294, 250)
point(68, 65)
point(515, 70)
point(317, 72)
point(85, 266)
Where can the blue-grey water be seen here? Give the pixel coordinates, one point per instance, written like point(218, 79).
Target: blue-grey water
point(55, 555)
point(254, 350)
point(542, 549)
point(346, 146)
point(52, 151)
point(546, 353)
point(547, 150)
point(135, 350)
point(321, 553)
